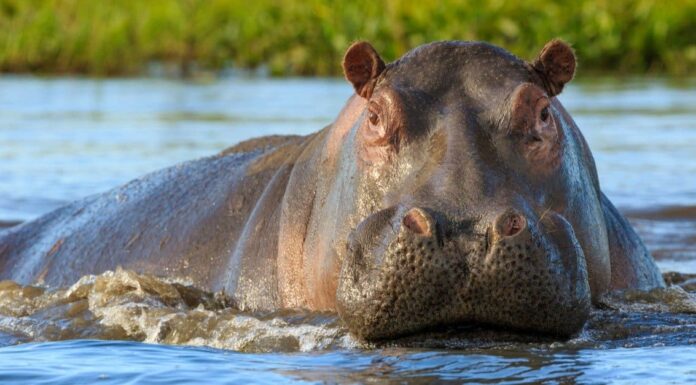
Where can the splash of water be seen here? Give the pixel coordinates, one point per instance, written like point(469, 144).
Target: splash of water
point(124, 305)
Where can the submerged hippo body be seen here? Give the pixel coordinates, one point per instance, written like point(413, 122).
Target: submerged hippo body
point(452, 188)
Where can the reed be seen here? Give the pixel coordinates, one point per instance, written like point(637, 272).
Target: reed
point(308, 37)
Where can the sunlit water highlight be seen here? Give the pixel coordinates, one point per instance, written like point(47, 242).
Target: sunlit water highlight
point(62, 139)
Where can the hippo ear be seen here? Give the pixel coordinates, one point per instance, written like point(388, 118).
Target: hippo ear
point(362, 65)
point(555, 65)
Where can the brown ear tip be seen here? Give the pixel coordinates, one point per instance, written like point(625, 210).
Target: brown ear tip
point(361, 64)
point(359, 49)
point(360, 44)
point(556, 63)
point(558, 44)
point(560, 55)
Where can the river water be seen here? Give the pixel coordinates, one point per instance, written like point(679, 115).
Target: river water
point(62, 139)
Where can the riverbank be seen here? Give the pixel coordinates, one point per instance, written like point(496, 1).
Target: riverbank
point(296, 37)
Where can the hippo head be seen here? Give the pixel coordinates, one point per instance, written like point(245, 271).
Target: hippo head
point(476, 199)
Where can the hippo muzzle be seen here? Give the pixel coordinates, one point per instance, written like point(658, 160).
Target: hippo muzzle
point(412, 269)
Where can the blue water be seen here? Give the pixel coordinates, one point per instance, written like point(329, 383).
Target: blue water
point(115, 362)
point(62, 139)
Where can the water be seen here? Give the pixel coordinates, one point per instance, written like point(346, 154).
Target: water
point(66, 362)
point(62, 139)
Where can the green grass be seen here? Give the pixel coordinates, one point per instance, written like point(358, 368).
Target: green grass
point(308, 37)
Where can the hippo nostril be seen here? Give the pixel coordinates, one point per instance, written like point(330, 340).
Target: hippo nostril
point(510, 224)
point(418, 222)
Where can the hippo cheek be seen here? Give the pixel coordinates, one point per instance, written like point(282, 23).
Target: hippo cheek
point(533, 278)
point(399, 282)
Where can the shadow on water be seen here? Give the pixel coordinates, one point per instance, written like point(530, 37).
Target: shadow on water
point(670, 235)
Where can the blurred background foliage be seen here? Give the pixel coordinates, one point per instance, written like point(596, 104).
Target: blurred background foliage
point(308, 37)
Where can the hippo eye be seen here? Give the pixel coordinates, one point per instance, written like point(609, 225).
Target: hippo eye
point(373, 118)
point(544, 114)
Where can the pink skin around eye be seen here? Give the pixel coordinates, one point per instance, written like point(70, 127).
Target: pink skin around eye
point(539, 142)
point(544, 153)
point(546, 129)
point(373, 150)
point(380, 132)
point(374, 130)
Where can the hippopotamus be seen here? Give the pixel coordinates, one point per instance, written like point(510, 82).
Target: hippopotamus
point(453, 188)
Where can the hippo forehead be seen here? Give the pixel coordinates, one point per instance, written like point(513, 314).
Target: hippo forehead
point(474, 72)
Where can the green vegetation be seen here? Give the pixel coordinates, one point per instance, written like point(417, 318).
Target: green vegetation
point(308, 37)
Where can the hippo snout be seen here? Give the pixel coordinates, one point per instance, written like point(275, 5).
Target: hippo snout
point(393, 280)
point(410, 269)
point(532, 278)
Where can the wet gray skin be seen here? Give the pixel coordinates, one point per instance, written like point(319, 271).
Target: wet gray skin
point(452, 189)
